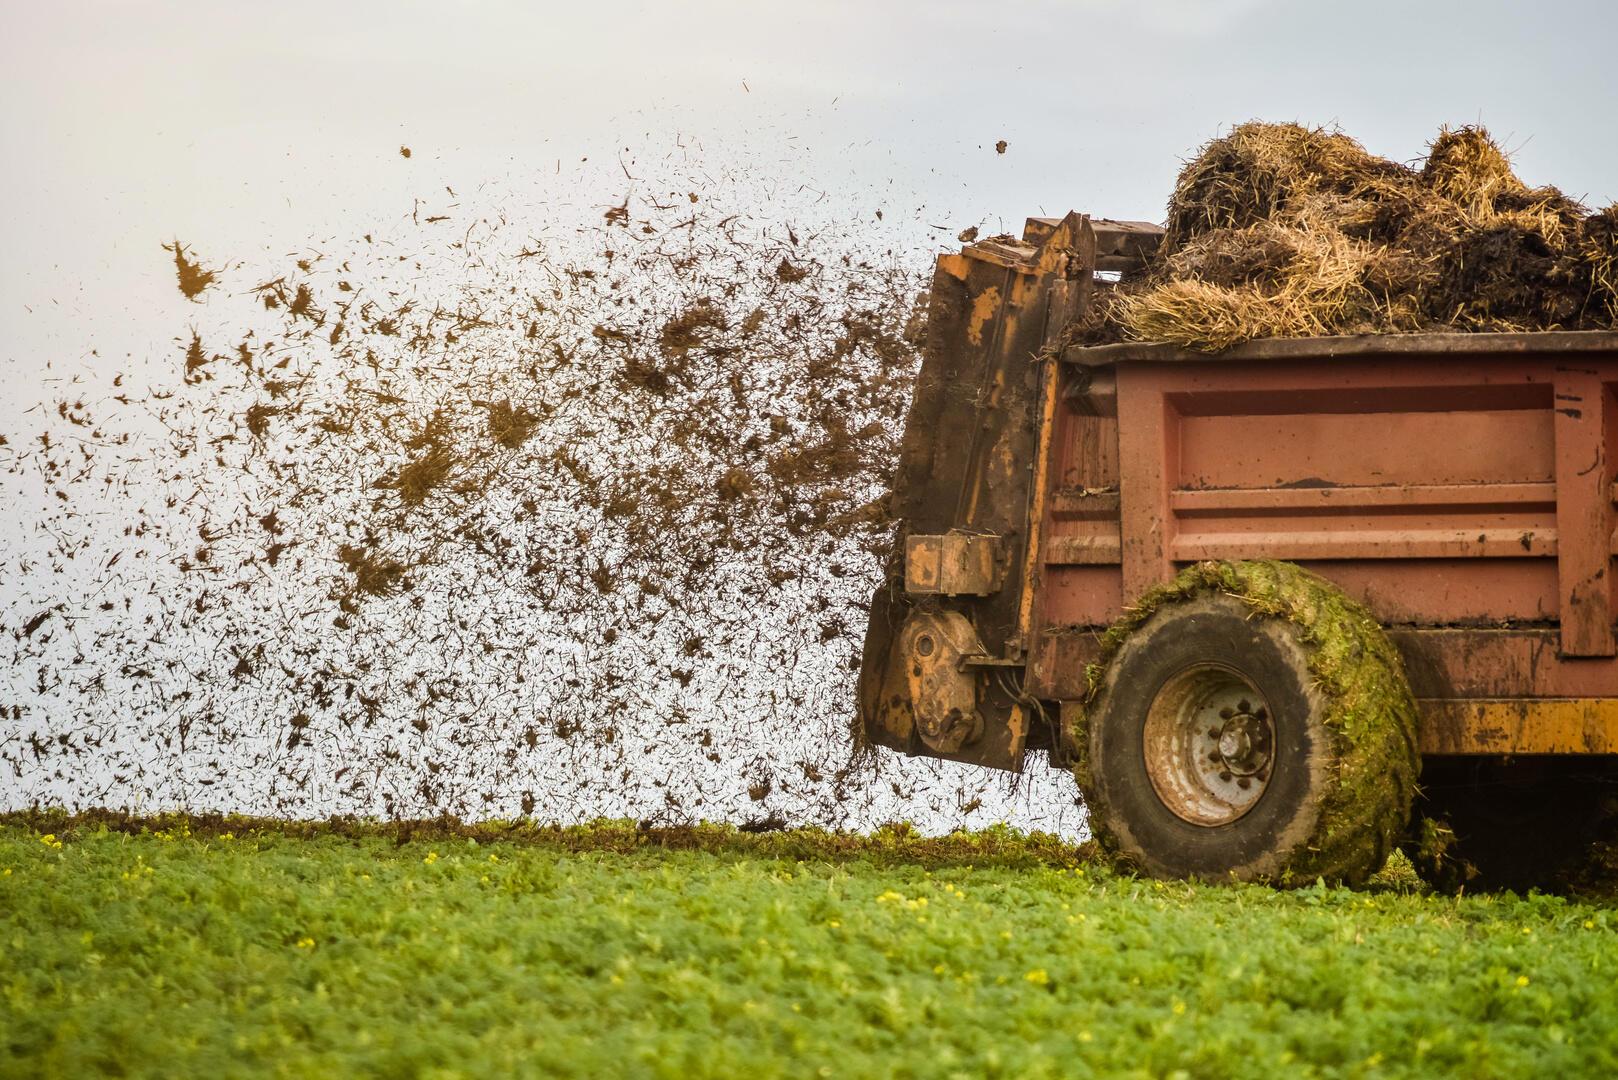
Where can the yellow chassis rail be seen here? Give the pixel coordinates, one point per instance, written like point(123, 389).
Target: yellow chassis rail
point(1520, 726)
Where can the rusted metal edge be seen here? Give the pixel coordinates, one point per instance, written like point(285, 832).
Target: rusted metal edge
point(1110, 232)
point(1119, 245)
point(1326, 348)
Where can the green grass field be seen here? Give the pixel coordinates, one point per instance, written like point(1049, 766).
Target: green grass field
point(198, 949)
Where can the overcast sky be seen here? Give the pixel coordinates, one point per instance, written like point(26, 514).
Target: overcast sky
point(249, 128)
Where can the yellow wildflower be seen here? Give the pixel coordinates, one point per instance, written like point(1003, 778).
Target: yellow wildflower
point(432, 857)
point(1522, 980)
point(50, 841)
point(1038, 977)
point(306, 943)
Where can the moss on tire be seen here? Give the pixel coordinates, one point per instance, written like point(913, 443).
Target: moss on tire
point(1350, 727)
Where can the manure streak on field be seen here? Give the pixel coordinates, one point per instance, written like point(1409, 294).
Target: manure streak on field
point(482, 516)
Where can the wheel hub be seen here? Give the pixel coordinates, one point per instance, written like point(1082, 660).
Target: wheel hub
point(1243, 743)
point(1209, 745)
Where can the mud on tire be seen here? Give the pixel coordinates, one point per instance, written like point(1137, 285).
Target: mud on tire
point(1247, 721)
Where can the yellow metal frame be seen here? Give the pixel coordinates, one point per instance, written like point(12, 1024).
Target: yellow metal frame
point(1519, 726)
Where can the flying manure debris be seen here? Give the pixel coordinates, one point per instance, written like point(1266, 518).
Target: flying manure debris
point(565, 521)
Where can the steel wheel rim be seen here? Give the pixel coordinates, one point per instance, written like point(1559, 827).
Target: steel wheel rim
point(1209, 745)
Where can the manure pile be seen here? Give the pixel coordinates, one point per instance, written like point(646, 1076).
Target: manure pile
point(1278, 230)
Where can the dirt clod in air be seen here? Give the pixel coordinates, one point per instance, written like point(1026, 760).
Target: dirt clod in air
point(510, 425)
point(195, 355)
point(257, 418)
point(374, 574)
point(193, 278)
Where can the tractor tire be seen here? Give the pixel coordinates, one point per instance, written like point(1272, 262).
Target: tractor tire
point(1248, 722)
point(1485, 823)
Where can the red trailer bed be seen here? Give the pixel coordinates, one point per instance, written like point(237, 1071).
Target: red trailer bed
point(1460, 485)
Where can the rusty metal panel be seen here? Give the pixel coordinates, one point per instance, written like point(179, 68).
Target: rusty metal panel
point(1084, 595)
point(1057, 670)
point(1584, 515)
point(1367, 466)
point(954, 564)
point(1309, 447)
point(1474, 592)
point(1462, 663)
point(1148, 458)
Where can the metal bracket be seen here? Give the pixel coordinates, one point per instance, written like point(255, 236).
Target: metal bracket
point(953, 564)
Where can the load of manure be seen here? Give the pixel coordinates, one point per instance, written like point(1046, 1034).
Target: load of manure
point(1279, 230)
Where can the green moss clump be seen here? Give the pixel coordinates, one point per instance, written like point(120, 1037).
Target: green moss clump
point(1370, 711)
